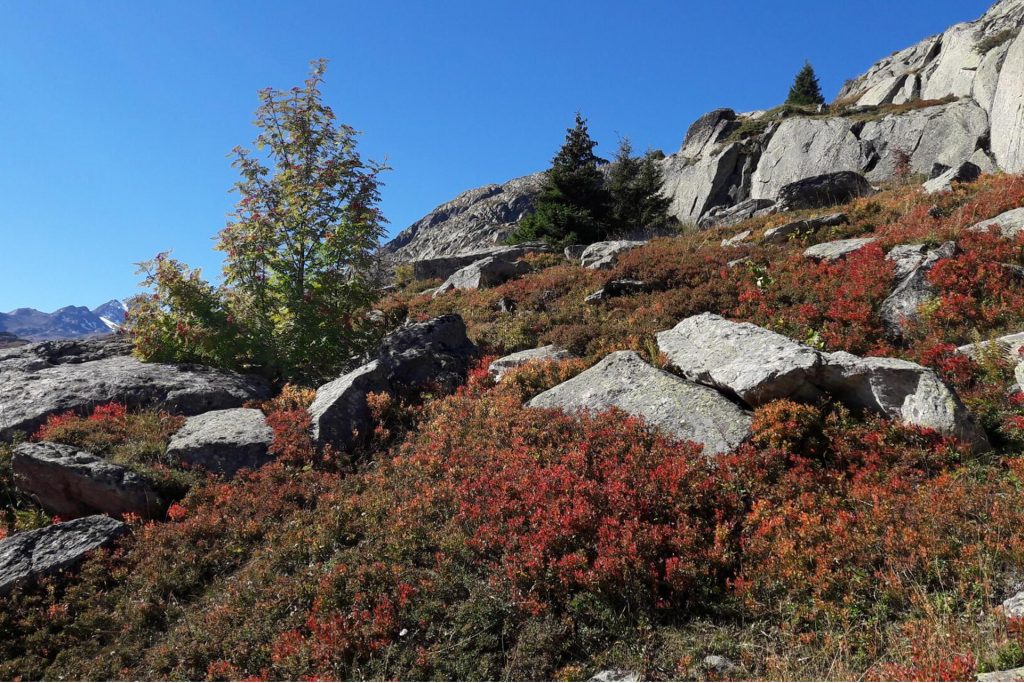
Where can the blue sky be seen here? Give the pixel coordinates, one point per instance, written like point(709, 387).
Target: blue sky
point(116, 116)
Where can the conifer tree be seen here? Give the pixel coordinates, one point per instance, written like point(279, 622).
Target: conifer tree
point(806, 90)
point(573, 205)
point(634, 184)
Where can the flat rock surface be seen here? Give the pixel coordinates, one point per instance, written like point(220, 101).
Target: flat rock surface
point(71, 483)
point(1010, 223)
point(745, 360)
point(487, 272)
point(223, 441)
point(31, 554)
point(498, 368)
point(838, 249)
point(44, 379)
point(678, 407)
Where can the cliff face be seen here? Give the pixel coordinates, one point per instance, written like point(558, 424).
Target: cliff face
point(951, 98)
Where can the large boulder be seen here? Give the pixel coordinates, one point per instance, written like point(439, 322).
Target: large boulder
point(487, 272)
point(41, 380)
point(725, 216)
point(1008, 110)
point(824, 190)
point(678, 407)
point(802, 228)
point(914, 289)
point(838, 249)
point(223, 441)
point(902, 391)
point(29, 555)
point(431, 355)
point(749, 362)
point(340, 414)
point(71, 483)
point(604, 255)
point(804, 148)
point(698, 185)
point(708, 130)
point(1005, 676)
point(549, 353)
point(1010, 223)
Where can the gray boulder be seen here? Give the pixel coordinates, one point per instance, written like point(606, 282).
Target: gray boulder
point(1010, 223)
point(614, 675)
point(725, 216)
point(802, 228)
point(744, 360)
point(698, 185)
point(906, 258)
point(1007, 676)
point(29, 555)
point(837, 250)
point(40, 380)
point(708, 130)
point(1010, 347)
point(574, 252)
point(683, 409)
point(604, 255)
point(913, 290)
point(487, 272)
point(340, 415)
point(71, 483)
point(549, 353)
point(736, 239)
point(431, 355)
point(223, 441)
point(966, 172)
point(819, 191)
point(902, 391)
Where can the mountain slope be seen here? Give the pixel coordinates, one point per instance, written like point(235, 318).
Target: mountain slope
point(69, 322)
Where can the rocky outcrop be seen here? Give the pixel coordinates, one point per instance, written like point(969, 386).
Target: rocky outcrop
point(476, 220)
point(758, 366)
point(223, 441)
point(1010, 223)
point(604, 255)
point(29, 555)
point(678, 407)
point(71, 483)
point(1008, 110)
point(804, 148)
point(44, 379)
point(802, 228)
point(725, 216)
point(544, 354)
point(838, 249)
point(913, 289)
point(431, 355)
point(487, 272)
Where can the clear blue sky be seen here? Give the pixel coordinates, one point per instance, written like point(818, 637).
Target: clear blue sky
point(116, 116)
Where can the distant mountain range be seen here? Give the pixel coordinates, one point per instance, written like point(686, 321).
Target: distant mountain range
point(69, 322)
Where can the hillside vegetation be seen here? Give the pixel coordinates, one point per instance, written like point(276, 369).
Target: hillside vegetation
point(475, 538)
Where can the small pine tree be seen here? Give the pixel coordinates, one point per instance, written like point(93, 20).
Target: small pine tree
point(573, 205)
point(806, 90)
point(634, 184)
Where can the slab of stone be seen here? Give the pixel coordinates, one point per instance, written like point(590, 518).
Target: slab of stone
point(901, 307)
point(828, 189)
point(837, 250)
point(680, 408)
point(1009, 223)
point(967, 172)
point(223, 441)
point(752, 363)
point(340, 414)
point(70, 483)
point(29, 555)
point(803, 228)
point(549, 353)
point(487, 272)
point(604, 255)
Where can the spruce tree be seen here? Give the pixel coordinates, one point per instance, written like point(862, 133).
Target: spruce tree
point(806, 90)
point(573, 205)
point(634, 184)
